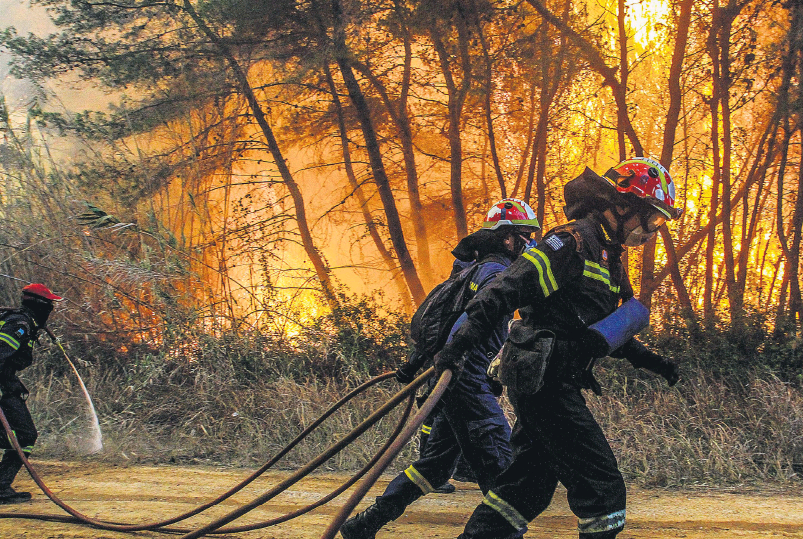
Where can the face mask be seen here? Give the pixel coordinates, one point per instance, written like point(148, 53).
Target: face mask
point(40, 309)
point(638, 237)
point(645, 231)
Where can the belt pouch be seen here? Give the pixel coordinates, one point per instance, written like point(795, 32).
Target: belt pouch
point(524, 358)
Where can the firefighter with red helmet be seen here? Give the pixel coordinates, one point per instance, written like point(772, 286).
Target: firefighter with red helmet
point(19, 330)
point(470, 420)
point(572, 280)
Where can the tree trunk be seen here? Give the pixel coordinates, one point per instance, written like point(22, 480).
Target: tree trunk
point(708, 292)
point(597, 63)
point(321, 269)
point(488, 109)
point(624, 71)
point(528, 146)
point(456, 99)
point(370, 224)
point(670, 128)
point(795, 300)
point(400, 115)
point(734, 301)
point(375, 158)
point(551, 84)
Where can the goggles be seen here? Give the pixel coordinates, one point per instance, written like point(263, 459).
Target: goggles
point(653, 221)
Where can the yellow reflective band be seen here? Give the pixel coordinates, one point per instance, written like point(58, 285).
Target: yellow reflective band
point(422, 483)
point(507, 511)
point(9, 340)
point(593, 270)
point(473, 286)
point(598, 269)
point(541, 263)
point(426, 429)
point(602, 523)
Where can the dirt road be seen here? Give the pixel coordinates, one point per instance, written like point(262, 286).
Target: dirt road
point(138, 493)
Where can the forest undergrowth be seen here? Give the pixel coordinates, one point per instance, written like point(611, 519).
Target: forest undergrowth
point(236, 400)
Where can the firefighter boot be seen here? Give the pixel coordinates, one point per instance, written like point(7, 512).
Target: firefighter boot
point(446, 488)
point(365, 525)
point(9, 467)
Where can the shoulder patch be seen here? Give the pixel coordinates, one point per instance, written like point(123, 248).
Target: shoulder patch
point(554, 242)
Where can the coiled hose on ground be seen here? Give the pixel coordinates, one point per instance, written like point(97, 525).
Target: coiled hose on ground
point(376, 466)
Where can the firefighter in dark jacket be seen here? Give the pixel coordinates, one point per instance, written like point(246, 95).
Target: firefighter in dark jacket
point(471, 420)
point(572, 279)
point(19, 329)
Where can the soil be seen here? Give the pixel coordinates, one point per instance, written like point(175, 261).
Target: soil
point(140, 493)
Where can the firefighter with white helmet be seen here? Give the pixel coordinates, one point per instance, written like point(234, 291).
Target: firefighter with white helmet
point(470, 420)
point(564, 288)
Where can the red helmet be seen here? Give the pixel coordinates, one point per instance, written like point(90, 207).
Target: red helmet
point(41, 291)
point(648, 180)
point(511, 212)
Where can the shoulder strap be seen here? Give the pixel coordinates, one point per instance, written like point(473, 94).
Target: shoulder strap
point(5, 312)
point(570, 228)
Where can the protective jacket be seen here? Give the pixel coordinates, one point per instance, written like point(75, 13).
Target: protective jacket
point(470, 420)
point(481, 354)
point(572, 279)
point(18, 332)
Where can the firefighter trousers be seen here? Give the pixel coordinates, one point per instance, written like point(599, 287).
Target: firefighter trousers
point(19, 418)
point(555, 439)
point(470, 422)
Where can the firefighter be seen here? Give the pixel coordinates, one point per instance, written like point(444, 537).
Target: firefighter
point(19, 329)
point(470, 420)
point(572, 279)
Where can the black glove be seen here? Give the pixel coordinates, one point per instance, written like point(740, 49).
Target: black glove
point(449, 359)
point(643, 358)
point(669, 370)
point(496, 387)
point(406, 373)
point(14, 386)
point(452, 357)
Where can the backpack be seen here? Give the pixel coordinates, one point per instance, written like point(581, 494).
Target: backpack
point(438, 313)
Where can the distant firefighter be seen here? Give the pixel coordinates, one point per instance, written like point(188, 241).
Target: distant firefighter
point(568, 290)
point(19, 329)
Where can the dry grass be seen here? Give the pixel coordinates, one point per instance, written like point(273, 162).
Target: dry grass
point(206, 421)
point(711, 429)
point(707, 430)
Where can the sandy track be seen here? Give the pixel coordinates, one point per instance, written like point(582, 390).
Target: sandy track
point(140, 493)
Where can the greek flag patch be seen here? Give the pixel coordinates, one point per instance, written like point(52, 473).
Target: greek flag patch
point(554, 242)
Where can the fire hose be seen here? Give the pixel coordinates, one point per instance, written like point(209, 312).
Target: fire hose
point(377, 464)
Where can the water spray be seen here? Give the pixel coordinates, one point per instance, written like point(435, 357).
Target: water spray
point(96, 442)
